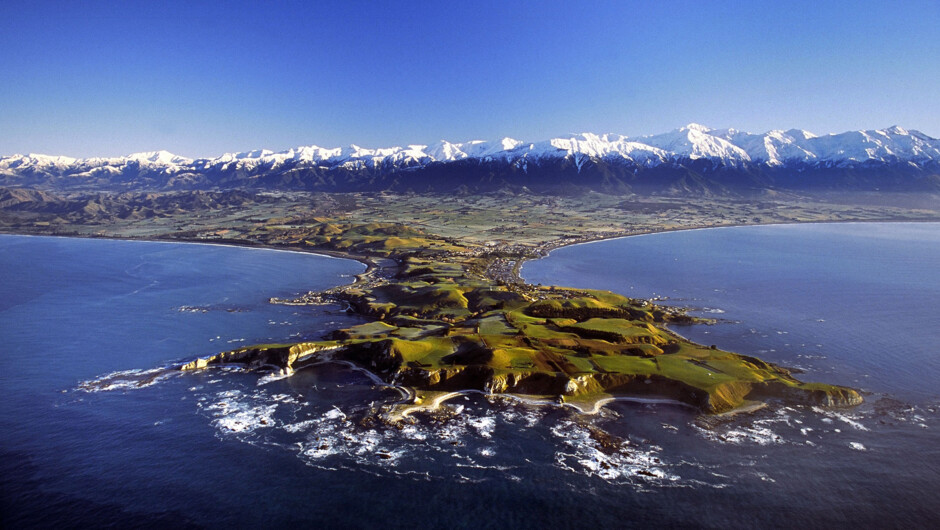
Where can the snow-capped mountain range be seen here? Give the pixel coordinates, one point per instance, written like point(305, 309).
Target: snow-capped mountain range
point(693, 147)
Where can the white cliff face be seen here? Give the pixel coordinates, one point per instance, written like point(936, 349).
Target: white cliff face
point(728, 146)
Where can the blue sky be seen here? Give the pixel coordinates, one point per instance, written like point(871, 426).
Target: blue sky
point(200, 79)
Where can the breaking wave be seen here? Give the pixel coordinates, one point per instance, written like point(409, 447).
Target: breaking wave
point(340, 420)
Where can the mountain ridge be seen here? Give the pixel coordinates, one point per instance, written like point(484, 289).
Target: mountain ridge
point(685, 159)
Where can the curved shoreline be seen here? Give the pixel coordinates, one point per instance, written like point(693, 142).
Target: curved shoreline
point(371, 265)
point(182, 241)
point(368, 263)
point(553, 247)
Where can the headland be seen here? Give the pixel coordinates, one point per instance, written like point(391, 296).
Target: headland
point(447, 312)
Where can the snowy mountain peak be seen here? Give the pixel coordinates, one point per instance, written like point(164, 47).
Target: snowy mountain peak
point(163, 158)
point(509, 143)
point(697, 141)
point(729, 147)
point(695, 127)
point(800, 133)
point(39, 159)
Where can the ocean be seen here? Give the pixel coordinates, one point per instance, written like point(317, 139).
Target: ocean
point(96, 434)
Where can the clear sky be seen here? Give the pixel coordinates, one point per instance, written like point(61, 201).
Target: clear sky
point(200, 79)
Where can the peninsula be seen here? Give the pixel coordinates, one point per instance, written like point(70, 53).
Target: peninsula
point(445, 307)
point(448, 315)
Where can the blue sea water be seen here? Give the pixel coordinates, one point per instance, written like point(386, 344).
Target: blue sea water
point(855, 303)
point(226, 448)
